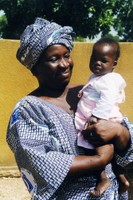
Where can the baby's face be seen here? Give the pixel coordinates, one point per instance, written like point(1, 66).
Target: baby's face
point(103, 59)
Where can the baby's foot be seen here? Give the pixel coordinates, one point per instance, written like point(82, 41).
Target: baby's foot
point(101, 186)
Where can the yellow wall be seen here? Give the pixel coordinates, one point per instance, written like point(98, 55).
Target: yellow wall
point(16, 81)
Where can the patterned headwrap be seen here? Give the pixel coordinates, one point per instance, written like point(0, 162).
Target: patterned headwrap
point(39, 36)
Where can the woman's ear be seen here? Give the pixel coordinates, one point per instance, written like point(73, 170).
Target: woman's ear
point(34, 70)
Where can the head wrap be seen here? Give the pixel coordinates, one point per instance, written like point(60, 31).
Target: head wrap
point(39, 36)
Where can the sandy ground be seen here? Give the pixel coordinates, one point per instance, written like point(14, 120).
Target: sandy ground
point(13, 189)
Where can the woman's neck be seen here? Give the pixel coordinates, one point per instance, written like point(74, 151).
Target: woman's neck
point(67, 97)
point(50, 92)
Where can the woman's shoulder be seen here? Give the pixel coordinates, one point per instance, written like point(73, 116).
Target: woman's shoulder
point(27, 102)
point(29, 107)
point(28, 98)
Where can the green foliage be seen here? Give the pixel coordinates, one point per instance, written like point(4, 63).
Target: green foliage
point(3, 24)
point(87, 17)
point(80, 39)
point(124, 19)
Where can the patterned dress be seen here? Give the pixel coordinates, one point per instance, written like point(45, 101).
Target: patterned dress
point(43, 138)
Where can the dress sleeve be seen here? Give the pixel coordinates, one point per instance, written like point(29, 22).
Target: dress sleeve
point(125, 158)
point(40, 158)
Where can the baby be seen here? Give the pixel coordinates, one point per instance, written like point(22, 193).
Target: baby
point(99, 99)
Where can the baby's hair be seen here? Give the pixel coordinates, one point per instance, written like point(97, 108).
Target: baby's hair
point(109, 41)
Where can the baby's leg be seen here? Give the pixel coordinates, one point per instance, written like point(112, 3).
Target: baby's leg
point(102, 184)
point(123, 183)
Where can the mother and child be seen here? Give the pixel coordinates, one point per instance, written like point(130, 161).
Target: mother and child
point(46, 132)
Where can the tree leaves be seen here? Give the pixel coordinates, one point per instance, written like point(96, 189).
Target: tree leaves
point(87, 17)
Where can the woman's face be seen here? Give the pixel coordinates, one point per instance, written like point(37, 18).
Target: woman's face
point(55, 67)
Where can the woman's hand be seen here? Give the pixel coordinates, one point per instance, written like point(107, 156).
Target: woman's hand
point(104, 132)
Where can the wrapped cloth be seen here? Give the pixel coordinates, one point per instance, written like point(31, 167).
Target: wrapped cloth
point(40, 35)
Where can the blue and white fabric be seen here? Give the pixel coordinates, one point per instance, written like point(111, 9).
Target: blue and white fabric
point(38, 36)
point(43, 138)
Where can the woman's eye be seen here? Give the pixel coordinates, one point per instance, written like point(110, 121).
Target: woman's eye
point(53, 59)
point(67, 55)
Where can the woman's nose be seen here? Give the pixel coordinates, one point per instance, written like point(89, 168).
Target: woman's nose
point(64, 63)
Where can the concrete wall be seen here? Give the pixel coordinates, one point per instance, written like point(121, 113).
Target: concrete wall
point(16, 81)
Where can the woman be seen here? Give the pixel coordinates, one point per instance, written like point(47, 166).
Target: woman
point(41, 131)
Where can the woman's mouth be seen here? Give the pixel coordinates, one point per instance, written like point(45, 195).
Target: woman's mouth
point(65, 74)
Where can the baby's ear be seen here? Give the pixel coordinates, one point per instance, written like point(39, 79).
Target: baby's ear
point(115, 62)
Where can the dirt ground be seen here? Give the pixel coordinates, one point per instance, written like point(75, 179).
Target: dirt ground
point(13, 189)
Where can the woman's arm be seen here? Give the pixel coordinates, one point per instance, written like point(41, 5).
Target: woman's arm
point(83, 165)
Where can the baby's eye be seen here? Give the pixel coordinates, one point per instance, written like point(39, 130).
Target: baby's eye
point(104, 61)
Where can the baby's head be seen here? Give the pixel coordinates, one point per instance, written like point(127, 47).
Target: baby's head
point(105, 54)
